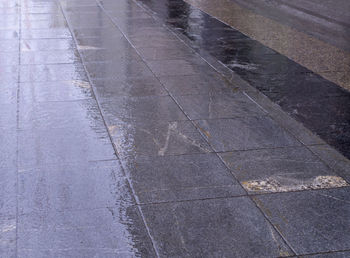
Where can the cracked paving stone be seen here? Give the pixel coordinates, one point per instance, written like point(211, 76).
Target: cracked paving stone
point(244, 134)
point(280, 170)
point(231, 227)
point(179, 178)
point(311, 221)
point(157, 139)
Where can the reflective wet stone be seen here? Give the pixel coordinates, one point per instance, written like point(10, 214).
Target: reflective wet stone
point(9, 58)
point(53, 146)
point(282, 169)
point(110, 43)
point(157, 139)
point(328, 255)
point(166, 53)
point(8, 34)
point(219, 228)
point(55, 91)
point(9, 45)
point(304, 218)
point(196, 84)
point(45, 33)
point(54, 22)
point(86, 21)
point(142, 109)
point(245, 133)
point(336, 161)
point(60, 114)
point(121, 70)
point(109, 55)
point(8, 236)
point(178, 178)
point(52, 72)
point(8, 148)
point(105, 232)
point(179, 67)
point(130, 25)
point(8, 115)
point(72, 186)
point(69, 56)
point(218, 106)
point(81, 33)
point(46, 44)
point(138, 87)
point(8, 189)
point(158, 41)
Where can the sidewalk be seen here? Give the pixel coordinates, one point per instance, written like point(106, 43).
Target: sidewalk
point(119, 140)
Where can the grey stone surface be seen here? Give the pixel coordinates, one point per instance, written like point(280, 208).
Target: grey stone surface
point(52, 72)
point(142, 108)
point(46, 44)
point(196, 84)
point(218, 106)
point(213, 228)
point(244, 133)
point(291, 168)
point(138, 87)
point(68, 56)
point(328, 255)
point(166, 51)
point(311, 221)
point(157, 138)
point(178, 178)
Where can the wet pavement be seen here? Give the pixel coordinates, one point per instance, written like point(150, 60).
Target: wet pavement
point(125, 133)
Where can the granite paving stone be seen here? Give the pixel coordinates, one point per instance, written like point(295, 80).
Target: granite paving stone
point(142, 108)
point(311, 221)
point(244, 133)
point(138, 87)
point(218, 106)
point(158, 138)
point(282, 169)
point(179, 178)
point(213, 228)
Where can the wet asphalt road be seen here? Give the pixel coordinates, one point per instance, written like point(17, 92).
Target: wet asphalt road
point(119, 140)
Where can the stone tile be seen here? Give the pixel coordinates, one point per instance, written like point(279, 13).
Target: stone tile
point(311, 221)
point(141, 109)
point(179, 178)
point(45, 33)
point(9, 75)
point(115, 41)
point(106, 232)
point(81, 33)
point(52, 22)
point(7, 237)
point(196, 84)
point(8, 201)
point(280, 170)
point(8, 116)
point(157, 139)
point(218, 106)
point(213, 228)
point(138, 87)
point(336, 161)
point(69, 56)
point(46, 44)
point(94, 19)
point(8, 94)
point(156, 41)
point(108, 56)
point(328, 255)
point(131, 25)
point(8, 148)
point(244, 134)
point(120, 70)
point(85, 185)
point(166, 52)
point(52, 72)
point(9, 34)
point(51, 146)
point(179, 67)
point(9, 58)
point(62, 114)
point(31, 92)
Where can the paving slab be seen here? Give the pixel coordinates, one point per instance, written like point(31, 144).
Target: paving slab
point(280, 170)
point(213, 228)
point(311, 221)
point(244, 133)
point(179, 178)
